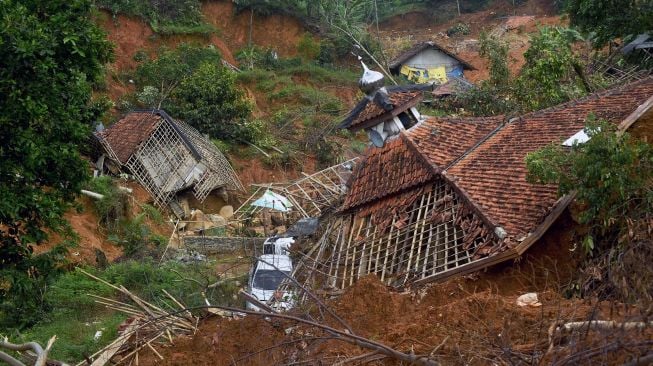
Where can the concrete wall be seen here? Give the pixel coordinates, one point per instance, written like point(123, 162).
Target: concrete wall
point(432, 57)
point(219, 244)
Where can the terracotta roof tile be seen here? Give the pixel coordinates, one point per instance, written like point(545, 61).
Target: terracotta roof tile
point(373, 110)
point(443, 139)
point(126, 135)
point(494, 173)
point(384, 171)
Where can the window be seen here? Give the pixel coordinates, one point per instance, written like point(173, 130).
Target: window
point(268, 279)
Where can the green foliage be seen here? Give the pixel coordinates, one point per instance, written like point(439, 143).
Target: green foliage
point(358, 146)
point(152, 213)
point(114, 206)
point(135, 237)
point(493, 96)
point(52, 53)
point(612, 175)
point(191, 84)
point(210, 101)
point(548, 77)
point(308, 48)
point(75, 317)
point(157, 78)
point(605, 20)
point(496, 51)
point(164, 16)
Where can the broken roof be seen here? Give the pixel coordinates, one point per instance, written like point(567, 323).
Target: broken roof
point(369, 111)
point(395, 167)
point(484, 159)
point(642, 41)
point(419, 47)
point(494, 173)
point(443, 139)
point(126, 135)
point(454, 85)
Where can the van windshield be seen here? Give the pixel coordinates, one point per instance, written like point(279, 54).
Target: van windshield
point(268, 279)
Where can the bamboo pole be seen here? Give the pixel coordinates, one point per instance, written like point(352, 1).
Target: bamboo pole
point(387, 249)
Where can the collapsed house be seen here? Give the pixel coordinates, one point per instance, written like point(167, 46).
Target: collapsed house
point(167, 156)
point(429, 62)
point(450, 196)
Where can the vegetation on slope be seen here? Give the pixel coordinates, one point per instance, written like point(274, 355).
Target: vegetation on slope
point(612, 177)
point(52, 53)
point(164, 16)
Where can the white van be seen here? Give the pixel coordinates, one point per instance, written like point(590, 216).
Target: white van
point(276, 245)
point(264, 279)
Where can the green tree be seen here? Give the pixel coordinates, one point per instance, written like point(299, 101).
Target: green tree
point(496, 52)
point(210, 101)
point(159, 77)
point(549, 76)
point(612, 175)
point(605, 20)
point(51, 53)
point(191, 83)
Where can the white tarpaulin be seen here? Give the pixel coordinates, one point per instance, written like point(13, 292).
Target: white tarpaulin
point(274, 201)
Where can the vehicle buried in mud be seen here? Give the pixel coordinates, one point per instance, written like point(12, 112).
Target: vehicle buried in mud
point(265, 277)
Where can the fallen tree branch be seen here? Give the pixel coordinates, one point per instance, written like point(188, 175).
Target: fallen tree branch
point(315, 298)
point(341, 335)
point(41, 354)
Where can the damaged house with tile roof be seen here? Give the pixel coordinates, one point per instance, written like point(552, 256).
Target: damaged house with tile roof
point(167, 156)
point(446, 196)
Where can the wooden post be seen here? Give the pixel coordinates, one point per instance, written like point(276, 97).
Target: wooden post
point(353, 253)
point(387, 248)
point(412, 245)
point(351, 234)
point(421, 233)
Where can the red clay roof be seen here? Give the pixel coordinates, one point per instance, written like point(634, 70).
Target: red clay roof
point(126, 135)
point(395, 167)
point(444, 139)
point(401, 100)
point(494, 173)
point(486, 162)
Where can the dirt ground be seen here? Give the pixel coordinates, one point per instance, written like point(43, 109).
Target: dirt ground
point(397, 36)
point(470, 320)
point(85, 223)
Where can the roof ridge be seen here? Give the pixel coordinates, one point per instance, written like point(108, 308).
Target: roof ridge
point(439, 172)
point(476, 145)
point(419, 47)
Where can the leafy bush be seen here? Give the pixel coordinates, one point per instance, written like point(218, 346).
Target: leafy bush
point(210, 101)
point(612, 175)
point(308, 48)
point(552, 75)
point(548, 77)
point(191, 84)
point(114, 206)
point(53, 54)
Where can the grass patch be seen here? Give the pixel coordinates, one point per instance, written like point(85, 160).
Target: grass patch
point(75, 318)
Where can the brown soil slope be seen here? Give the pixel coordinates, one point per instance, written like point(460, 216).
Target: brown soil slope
point(471, 320)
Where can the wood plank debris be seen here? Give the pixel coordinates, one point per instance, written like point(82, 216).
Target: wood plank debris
point(148, 324)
